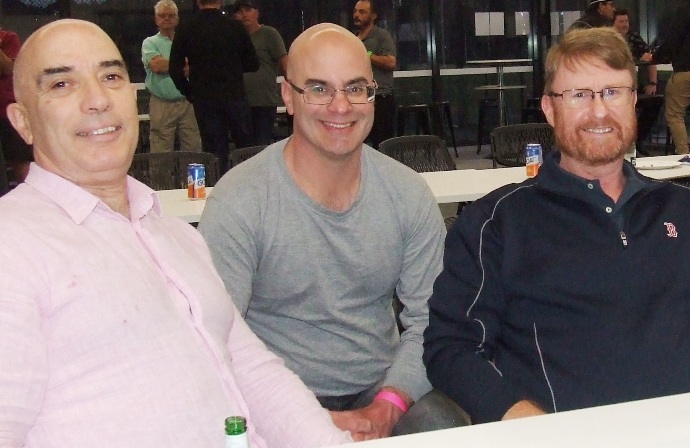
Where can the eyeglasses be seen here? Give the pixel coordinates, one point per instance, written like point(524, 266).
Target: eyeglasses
point(321, 95)
point(167, 15)
point(613, 96)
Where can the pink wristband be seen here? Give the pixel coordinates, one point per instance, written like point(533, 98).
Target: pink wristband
point(392, 398)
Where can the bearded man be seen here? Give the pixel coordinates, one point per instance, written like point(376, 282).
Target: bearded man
point(547, 302)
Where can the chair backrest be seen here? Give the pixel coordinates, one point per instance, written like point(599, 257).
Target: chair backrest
point(239, 155)
point(422, 153)
point(168, 170)
point(508, 142)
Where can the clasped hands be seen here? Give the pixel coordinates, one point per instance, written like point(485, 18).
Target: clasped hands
point(374, 421)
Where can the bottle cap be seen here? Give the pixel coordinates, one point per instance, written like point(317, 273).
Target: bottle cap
point(235, 425)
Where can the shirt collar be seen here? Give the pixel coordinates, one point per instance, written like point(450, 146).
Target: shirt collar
point(79, 203)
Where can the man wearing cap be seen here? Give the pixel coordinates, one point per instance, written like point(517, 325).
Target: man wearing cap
point(381, 49)
point(599, 13)
point(261, 87)
point(169, 110)
point(219, 51)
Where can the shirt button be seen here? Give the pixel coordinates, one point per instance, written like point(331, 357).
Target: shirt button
point(609, 209)
point(590, 186)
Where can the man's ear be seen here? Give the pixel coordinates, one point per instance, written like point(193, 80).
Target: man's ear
point(547, 108)
point(19, 118)
point(286, 92)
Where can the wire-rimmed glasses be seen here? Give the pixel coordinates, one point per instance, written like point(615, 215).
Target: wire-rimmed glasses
point(613, 96)
point(319, 94)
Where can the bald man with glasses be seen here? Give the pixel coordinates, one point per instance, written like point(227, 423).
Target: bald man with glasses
point(570, 289)
point(315, 235)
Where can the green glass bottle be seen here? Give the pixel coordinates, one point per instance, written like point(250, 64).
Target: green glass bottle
point(236, 432)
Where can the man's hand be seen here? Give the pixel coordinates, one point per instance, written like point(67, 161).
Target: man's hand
point(371, 422)
point(523, 408)
point(360, 427)
point(649, 89)
point(647, 57)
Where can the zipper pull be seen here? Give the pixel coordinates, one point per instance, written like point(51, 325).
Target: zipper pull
point(624, 239)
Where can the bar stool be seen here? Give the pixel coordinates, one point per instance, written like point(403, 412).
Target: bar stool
point(430, 118)
point(488, 115)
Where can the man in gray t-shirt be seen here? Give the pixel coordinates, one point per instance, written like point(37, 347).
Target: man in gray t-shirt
point(382, 53)
point(260, 86)
point(314, 235)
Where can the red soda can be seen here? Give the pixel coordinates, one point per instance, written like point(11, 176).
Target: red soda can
point(196, 181)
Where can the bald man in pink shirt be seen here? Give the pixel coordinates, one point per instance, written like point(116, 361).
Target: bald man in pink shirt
point(117, 330)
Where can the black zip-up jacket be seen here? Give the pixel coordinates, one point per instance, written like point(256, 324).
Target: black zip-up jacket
point(675, 47)
point(219, 51)
point(552, 292)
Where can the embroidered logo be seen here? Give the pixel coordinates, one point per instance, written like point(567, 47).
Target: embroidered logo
point(671, 229)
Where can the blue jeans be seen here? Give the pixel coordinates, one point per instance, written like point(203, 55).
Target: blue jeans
point(263, 118)
point(217, 118)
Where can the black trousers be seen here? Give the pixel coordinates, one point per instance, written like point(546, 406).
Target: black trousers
point(384, 119)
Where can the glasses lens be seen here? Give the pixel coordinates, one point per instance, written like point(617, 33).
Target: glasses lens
point(318, 95)
point(617, 95)
point(357, 94)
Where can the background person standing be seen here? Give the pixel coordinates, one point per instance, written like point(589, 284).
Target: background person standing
point(676, 49)
point(262, 90)
point(219, 51)
point(169, 110)
point(382, 53)
point(598, 13)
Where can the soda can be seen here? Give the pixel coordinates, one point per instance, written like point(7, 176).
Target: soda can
point(533, 158)
point(196, 181)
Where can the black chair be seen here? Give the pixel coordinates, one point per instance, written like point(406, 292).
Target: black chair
point(422, 153)
point(239, 155)
point(168, 170)
point(508, 142)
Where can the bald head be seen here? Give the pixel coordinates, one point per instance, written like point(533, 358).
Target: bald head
point(61, 34)
point(75, 103)
point(321, 36)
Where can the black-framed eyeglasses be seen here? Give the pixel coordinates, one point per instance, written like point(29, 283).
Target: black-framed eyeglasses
point(613, 96)
point(319, 94)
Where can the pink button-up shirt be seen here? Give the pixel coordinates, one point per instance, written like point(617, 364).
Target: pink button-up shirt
point(118, 332)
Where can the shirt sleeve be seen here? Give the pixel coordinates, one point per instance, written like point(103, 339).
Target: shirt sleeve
point(387, 46)
point(148, 51)
point(276, 45)
point(422, 257)
point(230, 233)
point(23, 353)
point(11, 45)
point(678, 30)
point(284, 411)
point(465, 313)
